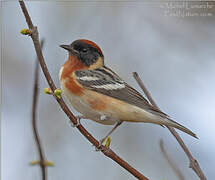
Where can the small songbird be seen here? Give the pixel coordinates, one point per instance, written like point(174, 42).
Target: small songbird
point(99, 94)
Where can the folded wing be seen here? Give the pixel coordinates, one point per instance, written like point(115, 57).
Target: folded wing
point(105, 81)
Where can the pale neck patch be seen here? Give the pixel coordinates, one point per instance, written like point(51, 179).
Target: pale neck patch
point(99, 63)
point(60, 73)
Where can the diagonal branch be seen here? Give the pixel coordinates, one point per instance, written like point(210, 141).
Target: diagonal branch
point(171, 163)
point(193, 162)
point(106, 151)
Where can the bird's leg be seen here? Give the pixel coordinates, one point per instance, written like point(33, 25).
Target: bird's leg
point(79, 117)
point(110, 132)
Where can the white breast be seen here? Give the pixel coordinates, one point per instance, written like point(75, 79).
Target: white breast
point(60, 73)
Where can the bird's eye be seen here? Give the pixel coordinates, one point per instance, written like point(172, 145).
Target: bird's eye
point(84, 50)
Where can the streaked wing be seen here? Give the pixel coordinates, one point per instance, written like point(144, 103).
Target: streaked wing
point(104, 80)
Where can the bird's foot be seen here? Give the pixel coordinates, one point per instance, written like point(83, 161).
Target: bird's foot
point(101, 141)
point(78, 121)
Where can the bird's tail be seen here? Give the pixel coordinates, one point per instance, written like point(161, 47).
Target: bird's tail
point(176, 125)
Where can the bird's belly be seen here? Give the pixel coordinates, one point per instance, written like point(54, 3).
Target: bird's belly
point(82, 105)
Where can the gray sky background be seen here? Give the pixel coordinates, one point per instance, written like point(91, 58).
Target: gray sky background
point(173, 55)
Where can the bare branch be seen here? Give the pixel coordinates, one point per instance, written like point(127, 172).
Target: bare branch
point(193, 162)
point(171, 163)
point(106, 151)
point(34, 123)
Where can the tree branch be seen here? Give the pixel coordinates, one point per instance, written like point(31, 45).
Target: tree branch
point(34, 125)
point(193, 162)
point(171, 163)
point(106, 150)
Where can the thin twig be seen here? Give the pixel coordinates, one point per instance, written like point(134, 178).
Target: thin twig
point(106, 151)
point(171, 163)
point(193, 162)
point(34, 117)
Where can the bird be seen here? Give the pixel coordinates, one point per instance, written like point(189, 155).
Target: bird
point(99, 94)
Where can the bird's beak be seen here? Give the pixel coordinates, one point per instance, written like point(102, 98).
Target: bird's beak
point(67, 47)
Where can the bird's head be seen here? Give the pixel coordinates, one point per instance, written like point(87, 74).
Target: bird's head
point(86, 51)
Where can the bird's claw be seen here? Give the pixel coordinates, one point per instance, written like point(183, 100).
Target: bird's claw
point(75, 125)
point(78, 121)
point(98, 148)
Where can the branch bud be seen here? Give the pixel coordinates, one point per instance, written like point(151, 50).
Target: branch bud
point(26, 32)
point(32, 163)
point(47, 91)
point(45, 163)
point(58, 92)
point(48, 163)
point(107, 142)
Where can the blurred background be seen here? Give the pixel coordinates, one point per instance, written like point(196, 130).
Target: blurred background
point(173, 54)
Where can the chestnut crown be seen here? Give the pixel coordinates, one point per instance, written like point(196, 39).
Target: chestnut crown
point(86, 51)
